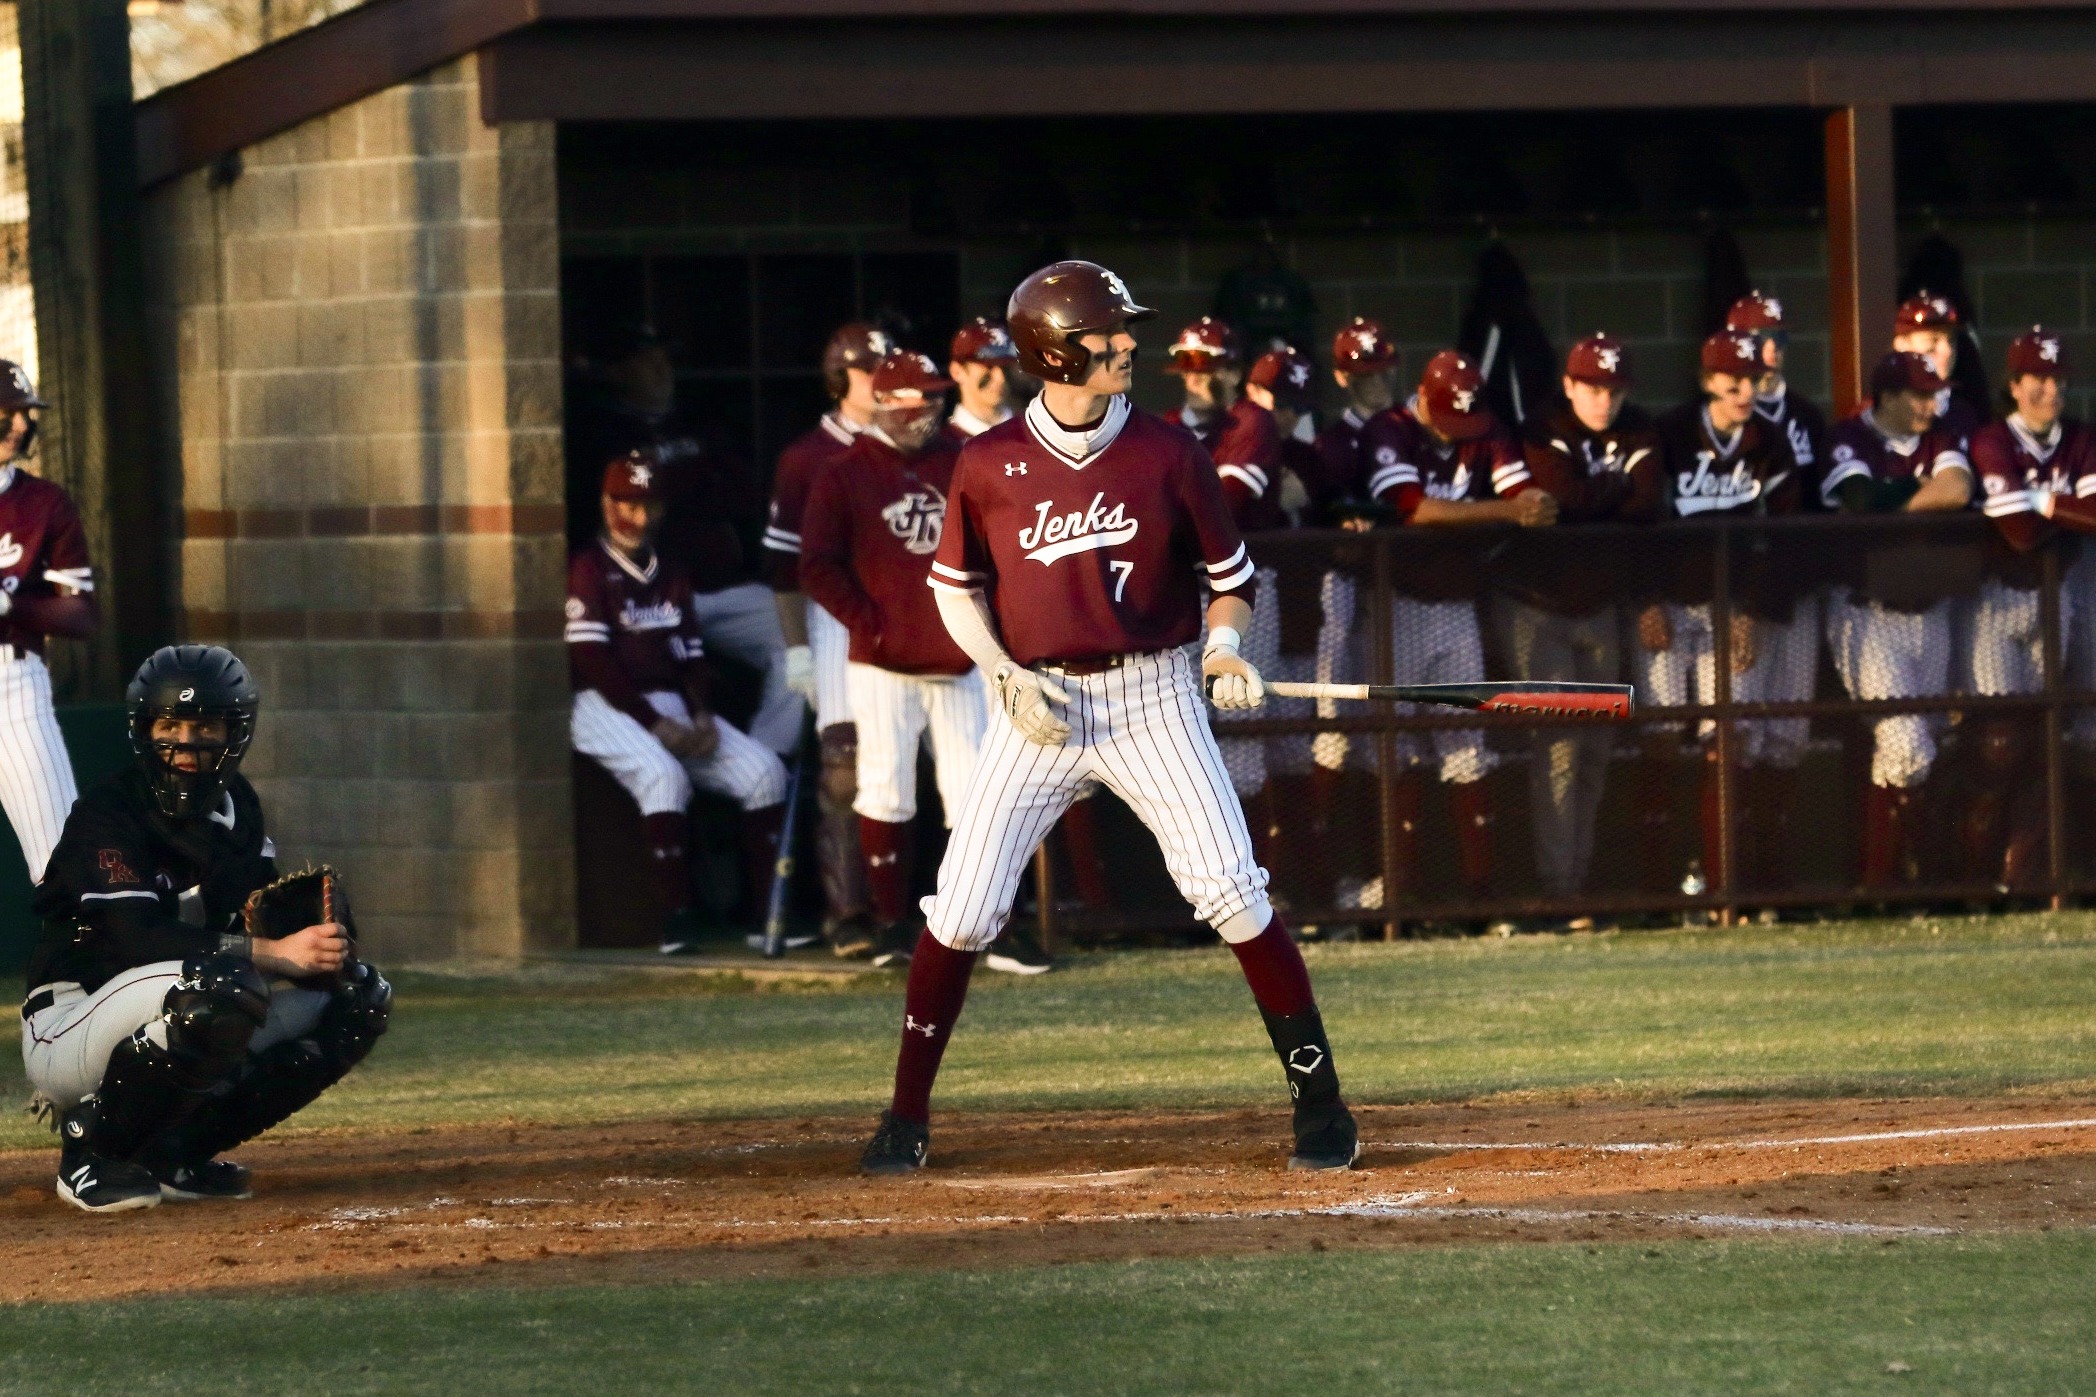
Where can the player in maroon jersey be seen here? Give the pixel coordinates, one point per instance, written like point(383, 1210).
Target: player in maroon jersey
point(636, 661)
point(816, 643)
point(1776, 399)
point(979, 363)
point(2037, 477)
point(1364, 365)
point(1076, 538)
point(47, 588)
point(1929, 325)
point(1889, 629)
point(1722, 456)
point(1210, 369)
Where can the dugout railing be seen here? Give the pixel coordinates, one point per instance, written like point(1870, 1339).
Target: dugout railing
point(1697, 818)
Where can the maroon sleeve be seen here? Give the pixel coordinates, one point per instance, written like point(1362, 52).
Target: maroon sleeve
point(1226, 562)
point(1579, 496)
point(691, 647)
point(1338, 465)
point(1248, 460)
point(782, 525)
point(1510, 474)
point(64, 600)
point(591, 661)
point(826, 570)
point(962, 563)
point(2004, 497)
point(1643, 496)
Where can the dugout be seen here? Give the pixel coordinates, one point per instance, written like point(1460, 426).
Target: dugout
point(359, 246)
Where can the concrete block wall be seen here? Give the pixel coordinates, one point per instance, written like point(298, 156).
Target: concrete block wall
point(2025, 271)
point(359, 343)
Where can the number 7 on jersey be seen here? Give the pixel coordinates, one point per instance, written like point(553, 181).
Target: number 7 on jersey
point(1121, 585)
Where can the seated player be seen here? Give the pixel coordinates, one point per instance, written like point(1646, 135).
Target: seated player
point(1892, 458)
point(1444, 462)
point(1723, 457)
point(2037, 471)
point(639, 673)
point(873, 521)
point(157, 1032)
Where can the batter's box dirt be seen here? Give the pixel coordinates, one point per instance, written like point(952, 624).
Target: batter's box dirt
point(670, 1200)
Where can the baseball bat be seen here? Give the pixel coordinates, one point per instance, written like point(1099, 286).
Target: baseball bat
point(1538, 698)
point(782, 868)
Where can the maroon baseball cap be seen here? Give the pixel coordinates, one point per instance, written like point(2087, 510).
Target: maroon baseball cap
point(1453, 393)
point(907, 374)
point(1361, 347)
point(632, 477)
point(1924, 310)
point(1904, 371)
point(1733, 352)
point(1599, 359)
point(1203, 345)
point(982, 341)
point(2037, 351)
point(1755, 313)
point(1288, 376)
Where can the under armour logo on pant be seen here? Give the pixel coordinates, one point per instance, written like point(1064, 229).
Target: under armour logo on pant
point(911, 1025)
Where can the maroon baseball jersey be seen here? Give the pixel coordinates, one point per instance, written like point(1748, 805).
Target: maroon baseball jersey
point(1247, 455)
point(874, 519)
point(630, 627)
point(1610, 474)
point(2013, 464)
point(1804, 426)
point(1749, 470)
point(1339, 469)
point(1089, 556)
point(826, 440)
point(43, 560)
point(1858, 448)
point(1407, 463)
point(1958, 417)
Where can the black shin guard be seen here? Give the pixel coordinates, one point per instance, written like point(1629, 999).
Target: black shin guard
point(1306, 1058)
point(168, 1067)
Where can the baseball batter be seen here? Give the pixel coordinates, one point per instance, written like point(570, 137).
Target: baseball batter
point(2037, 475)
point(817, 646)
point(637, 664)
point(1893, 640)
point(873, 521)
point(156, 1032)
point(1722, 456)
point(47, 588)
point(1442, 462)
point(1077, 538)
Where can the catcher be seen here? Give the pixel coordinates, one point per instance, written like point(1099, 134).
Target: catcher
point(182, 999)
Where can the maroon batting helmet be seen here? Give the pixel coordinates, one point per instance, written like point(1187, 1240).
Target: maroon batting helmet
point(853, 346)
point(1202, 346)
point(1361, 347)
point(1059, 303)
point(1733, 352)
point(1904, 371)
point(1599, 359)
point(1453, 393)
point(1924, 310)
point(982, 341)
point(2037, 351)
point(1288, 376)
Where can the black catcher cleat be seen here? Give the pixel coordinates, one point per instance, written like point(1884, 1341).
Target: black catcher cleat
point(1325, 1138)
point(214, 1180)
point(93, 1182)
point(897, 1147)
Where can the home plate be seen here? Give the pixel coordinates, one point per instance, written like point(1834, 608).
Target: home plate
point(1112, 1178)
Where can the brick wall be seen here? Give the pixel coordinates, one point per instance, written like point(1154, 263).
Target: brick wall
point(358, 338)
point(2026, 271)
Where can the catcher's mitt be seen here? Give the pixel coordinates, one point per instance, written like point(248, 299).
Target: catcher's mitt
point(293, 903)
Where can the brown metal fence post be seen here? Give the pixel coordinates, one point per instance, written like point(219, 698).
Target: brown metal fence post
point(2055, 748)
point(1381, 666)
point(1725, 875)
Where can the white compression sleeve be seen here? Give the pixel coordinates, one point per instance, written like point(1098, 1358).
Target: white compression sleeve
point(967, 618)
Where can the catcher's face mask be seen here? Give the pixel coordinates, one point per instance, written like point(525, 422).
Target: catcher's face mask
point(189, 757)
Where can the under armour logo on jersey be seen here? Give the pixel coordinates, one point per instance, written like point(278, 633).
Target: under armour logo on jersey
point(1306, 1059)
point(1055, 536)
point(10, 551)
point(918, 519)
point(910, 1024)
point(1015, 467)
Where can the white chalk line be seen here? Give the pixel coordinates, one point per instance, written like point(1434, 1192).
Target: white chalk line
point(1669, 1146)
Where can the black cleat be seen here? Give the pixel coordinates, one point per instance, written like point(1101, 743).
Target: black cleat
point(215, 1180)
point(897, 1147)
point(1325, 1138)
point(851, 938)
point(1017, 952)
point(680, 934)
point(95, 1182)
point(897, 941)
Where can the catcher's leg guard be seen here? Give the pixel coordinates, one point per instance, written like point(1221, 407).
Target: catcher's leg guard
point(274, 1084)
point(164, 1070)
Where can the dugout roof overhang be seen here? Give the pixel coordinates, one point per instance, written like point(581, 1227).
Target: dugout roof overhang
point(696, 60)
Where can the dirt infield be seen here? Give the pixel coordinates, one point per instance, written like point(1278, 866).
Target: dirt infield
point(672, 1200)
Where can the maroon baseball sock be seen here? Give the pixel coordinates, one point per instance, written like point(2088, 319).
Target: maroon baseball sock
point(1274, 968)
point(887, 849)
point(665, 834)
point(931, 1004)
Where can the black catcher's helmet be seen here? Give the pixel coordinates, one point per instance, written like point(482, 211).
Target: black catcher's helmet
point(191, 681)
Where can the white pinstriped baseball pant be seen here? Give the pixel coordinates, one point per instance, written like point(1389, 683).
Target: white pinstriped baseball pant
point(1786, 662)
point(893, 713)
point(830, 643)
point(1885, 654)
point(1431, 642)
point(1245, 757)
point(36, 776)
point(660, 782)
point(1140, 730)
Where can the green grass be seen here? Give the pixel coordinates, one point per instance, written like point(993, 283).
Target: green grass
point(1998, 1315)
point(1955, 1006)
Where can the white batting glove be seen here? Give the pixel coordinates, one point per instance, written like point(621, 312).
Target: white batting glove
point(7, 602)
point(1236, 684)
point(800, 671)
point(1025, 696)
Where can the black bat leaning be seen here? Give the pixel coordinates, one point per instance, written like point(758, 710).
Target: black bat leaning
point(774, 943)
point(1536, 698)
